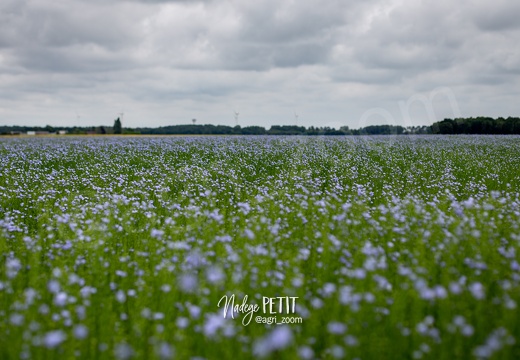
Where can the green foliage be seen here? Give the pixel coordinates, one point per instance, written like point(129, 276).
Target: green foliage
point(209, 129)
point(118, 129)
point(382, 130)
point(253, 130)
point(396, 247)
point(478, 125)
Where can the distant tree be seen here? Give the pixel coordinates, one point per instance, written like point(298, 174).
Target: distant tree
point(345, 130)
point(131, 131)
point(516, 125)
point(76, 130)
point(382, 130)
point(253, 130)
point(478, 125)
point(446, 126)
point(286, 130)
point(118, 129)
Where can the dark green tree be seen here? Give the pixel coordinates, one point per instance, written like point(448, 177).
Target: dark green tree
point(446, 126)
point(49, 129)
point(118, 129)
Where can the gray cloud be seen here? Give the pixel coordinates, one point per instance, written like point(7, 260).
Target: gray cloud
point(497, 15)
point(164, 61)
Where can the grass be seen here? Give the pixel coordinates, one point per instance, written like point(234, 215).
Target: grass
point(396, 247)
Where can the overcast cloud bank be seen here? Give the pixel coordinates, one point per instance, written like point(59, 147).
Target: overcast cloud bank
point(334, 63)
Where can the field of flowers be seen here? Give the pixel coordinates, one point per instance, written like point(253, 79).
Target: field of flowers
point(389, 247)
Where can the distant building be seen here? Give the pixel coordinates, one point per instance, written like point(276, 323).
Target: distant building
point(16, 133)
point(62, 132)
point(38, 133)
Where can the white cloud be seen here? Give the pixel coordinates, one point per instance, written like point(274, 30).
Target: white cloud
point(166, 62)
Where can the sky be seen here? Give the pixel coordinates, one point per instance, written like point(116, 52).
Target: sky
point(276, 62)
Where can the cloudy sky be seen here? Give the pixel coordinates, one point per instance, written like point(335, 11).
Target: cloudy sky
point(332, 62)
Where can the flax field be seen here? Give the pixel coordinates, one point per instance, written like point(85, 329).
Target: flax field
point(396, 247)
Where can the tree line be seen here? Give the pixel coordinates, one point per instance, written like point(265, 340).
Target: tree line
point(209, 129)
point(477, 125)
